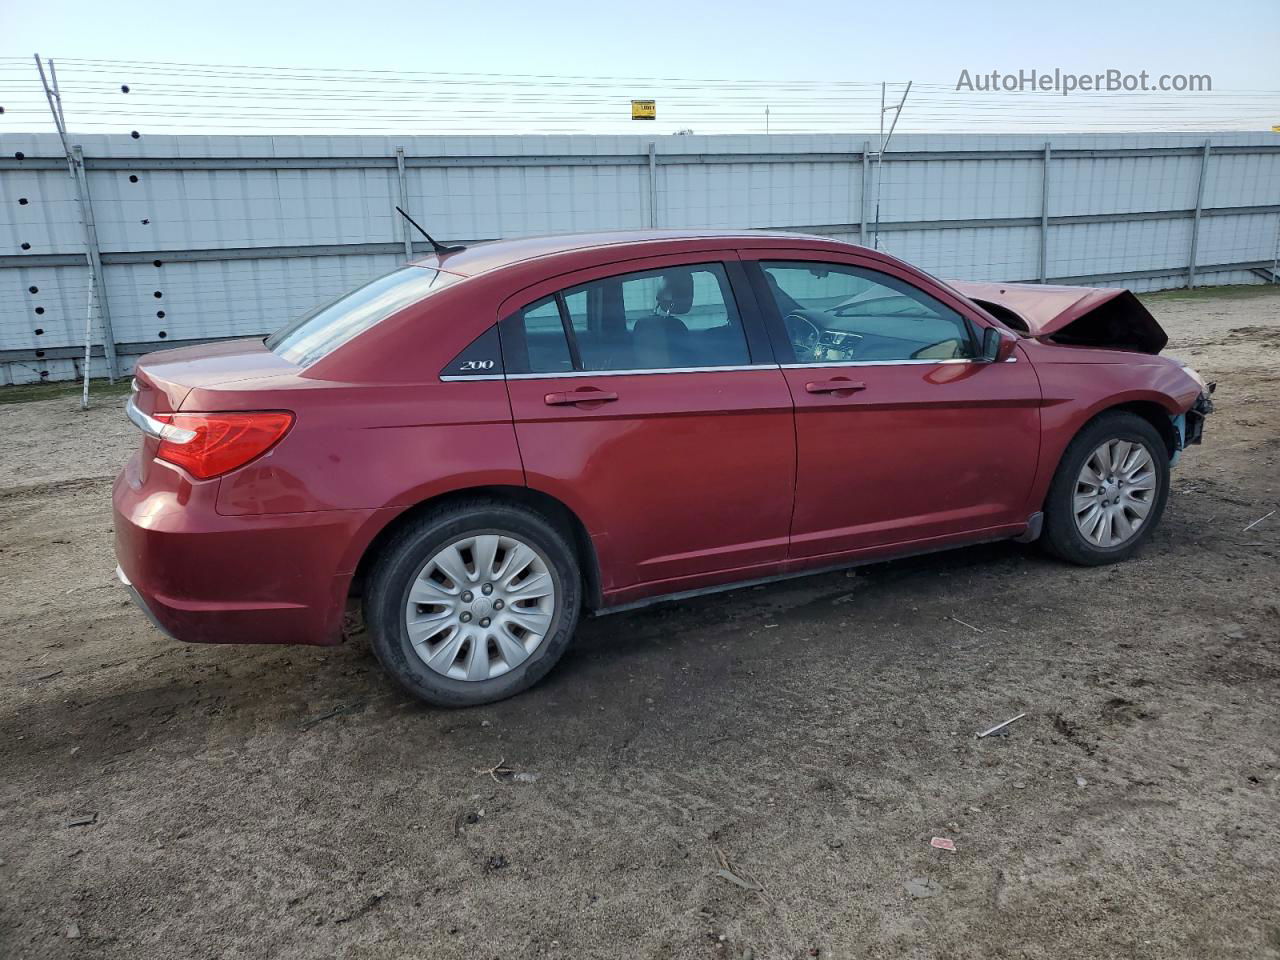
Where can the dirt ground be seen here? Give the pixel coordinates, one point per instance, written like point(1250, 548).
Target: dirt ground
point(159, 800)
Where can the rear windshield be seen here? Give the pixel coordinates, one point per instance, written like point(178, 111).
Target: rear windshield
point(323, 330)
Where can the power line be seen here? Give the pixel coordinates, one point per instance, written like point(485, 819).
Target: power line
point(196, 97)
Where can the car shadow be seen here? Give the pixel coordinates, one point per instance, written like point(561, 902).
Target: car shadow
point(186, 692)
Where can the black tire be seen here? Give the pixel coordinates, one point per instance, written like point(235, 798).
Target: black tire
point(1061, 536)
point(413, 546)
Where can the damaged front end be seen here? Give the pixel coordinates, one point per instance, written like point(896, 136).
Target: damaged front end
point(1074, 316)
point(1098, 317)
point(1189, 426)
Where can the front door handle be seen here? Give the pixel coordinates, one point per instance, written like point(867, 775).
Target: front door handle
point(581, 395)
point(838, 385)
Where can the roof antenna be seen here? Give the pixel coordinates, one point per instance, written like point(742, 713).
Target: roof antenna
point(436, 246)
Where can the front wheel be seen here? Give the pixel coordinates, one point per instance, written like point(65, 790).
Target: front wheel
point(1109, 492)
point(473, 603)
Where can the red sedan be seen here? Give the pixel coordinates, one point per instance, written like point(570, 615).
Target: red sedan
point(488, 442)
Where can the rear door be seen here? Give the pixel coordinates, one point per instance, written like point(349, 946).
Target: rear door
point(645, 396)
point(905, 437)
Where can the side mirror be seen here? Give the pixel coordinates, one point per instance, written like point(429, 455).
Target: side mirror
point(997, 346)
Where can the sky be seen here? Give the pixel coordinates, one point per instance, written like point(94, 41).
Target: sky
point(712, 66)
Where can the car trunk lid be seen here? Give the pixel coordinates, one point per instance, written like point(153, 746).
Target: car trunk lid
point(1079, 316)
point(165, 379)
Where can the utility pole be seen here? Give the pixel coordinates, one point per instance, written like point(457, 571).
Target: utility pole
point(884, 143)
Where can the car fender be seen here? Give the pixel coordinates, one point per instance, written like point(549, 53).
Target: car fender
point(1077, 389)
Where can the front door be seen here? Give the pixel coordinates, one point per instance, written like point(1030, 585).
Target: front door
point(646, 402)
point(905, 436)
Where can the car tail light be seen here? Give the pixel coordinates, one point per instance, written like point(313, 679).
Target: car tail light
point(208, 445)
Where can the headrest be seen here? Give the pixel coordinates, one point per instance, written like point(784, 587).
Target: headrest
point(675, 295)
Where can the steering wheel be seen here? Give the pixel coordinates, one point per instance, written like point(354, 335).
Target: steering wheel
point(803, 341)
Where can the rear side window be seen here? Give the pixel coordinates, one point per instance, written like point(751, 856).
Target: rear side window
point(534, 340)
point(326, 328)
point(669, 319)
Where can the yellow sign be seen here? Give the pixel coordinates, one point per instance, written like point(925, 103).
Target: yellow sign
point(644, 110)
point(1275, 128)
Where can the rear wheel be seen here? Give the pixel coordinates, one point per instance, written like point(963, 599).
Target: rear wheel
point(473, 603)
point(1109, 492)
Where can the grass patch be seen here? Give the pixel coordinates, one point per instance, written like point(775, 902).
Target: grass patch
point(1239, 291)
point(98, 390)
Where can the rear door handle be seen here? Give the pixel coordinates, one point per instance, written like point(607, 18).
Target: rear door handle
point(834, 386)
point(581, 395)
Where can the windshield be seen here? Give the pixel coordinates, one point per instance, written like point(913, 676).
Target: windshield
point(323, 330)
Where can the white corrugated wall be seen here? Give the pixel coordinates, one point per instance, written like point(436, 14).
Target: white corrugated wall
point(207, 237)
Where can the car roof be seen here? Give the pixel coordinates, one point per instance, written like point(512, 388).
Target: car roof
point(496, 254)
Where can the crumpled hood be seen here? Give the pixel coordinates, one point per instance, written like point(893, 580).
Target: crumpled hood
point(1081, 316)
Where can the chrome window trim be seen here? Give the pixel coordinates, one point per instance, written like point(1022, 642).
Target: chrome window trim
point(728, 369)
point(455, 378)
point(738, 368)
point(890, 363)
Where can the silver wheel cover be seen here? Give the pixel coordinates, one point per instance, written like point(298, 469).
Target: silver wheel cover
point(1114, 493)
point(480, 607)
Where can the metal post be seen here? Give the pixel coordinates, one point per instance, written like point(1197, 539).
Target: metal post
point(653, 184)
point(866, 170)
point(88, 346)
point(404, 204)
point(1044, 216)
point(884, 145)
point(1275, 259)
point(52, 94)
point(95, 261)
point(1195, 223)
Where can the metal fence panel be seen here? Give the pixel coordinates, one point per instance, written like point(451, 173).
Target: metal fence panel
point(209, 237)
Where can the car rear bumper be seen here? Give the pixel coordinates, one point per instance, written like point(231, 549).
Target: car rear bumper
point(203, 577)
point(142, 604)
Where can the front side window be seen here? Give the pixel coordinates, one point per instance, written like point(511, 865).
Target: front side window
point(836, 313)
point(674, 318)
point(326, 328)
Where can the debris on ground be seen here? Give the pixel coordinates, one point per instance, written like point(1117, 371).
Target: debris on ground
point(1258, 521)
point(341, 710)
point(73, 931)
point(1000, 726)
point(501, 773)
point(922, 888)
point(943, 843)
point(370, 902)
point(737, 880)
point(963, 624)
point(1081, 782)
point(497, 768)
point(88, 820)
point(747, 882)
point(466, 818)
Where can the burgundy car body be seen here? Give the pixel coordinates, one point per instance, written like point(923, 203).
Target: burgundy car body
point(686, 481)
